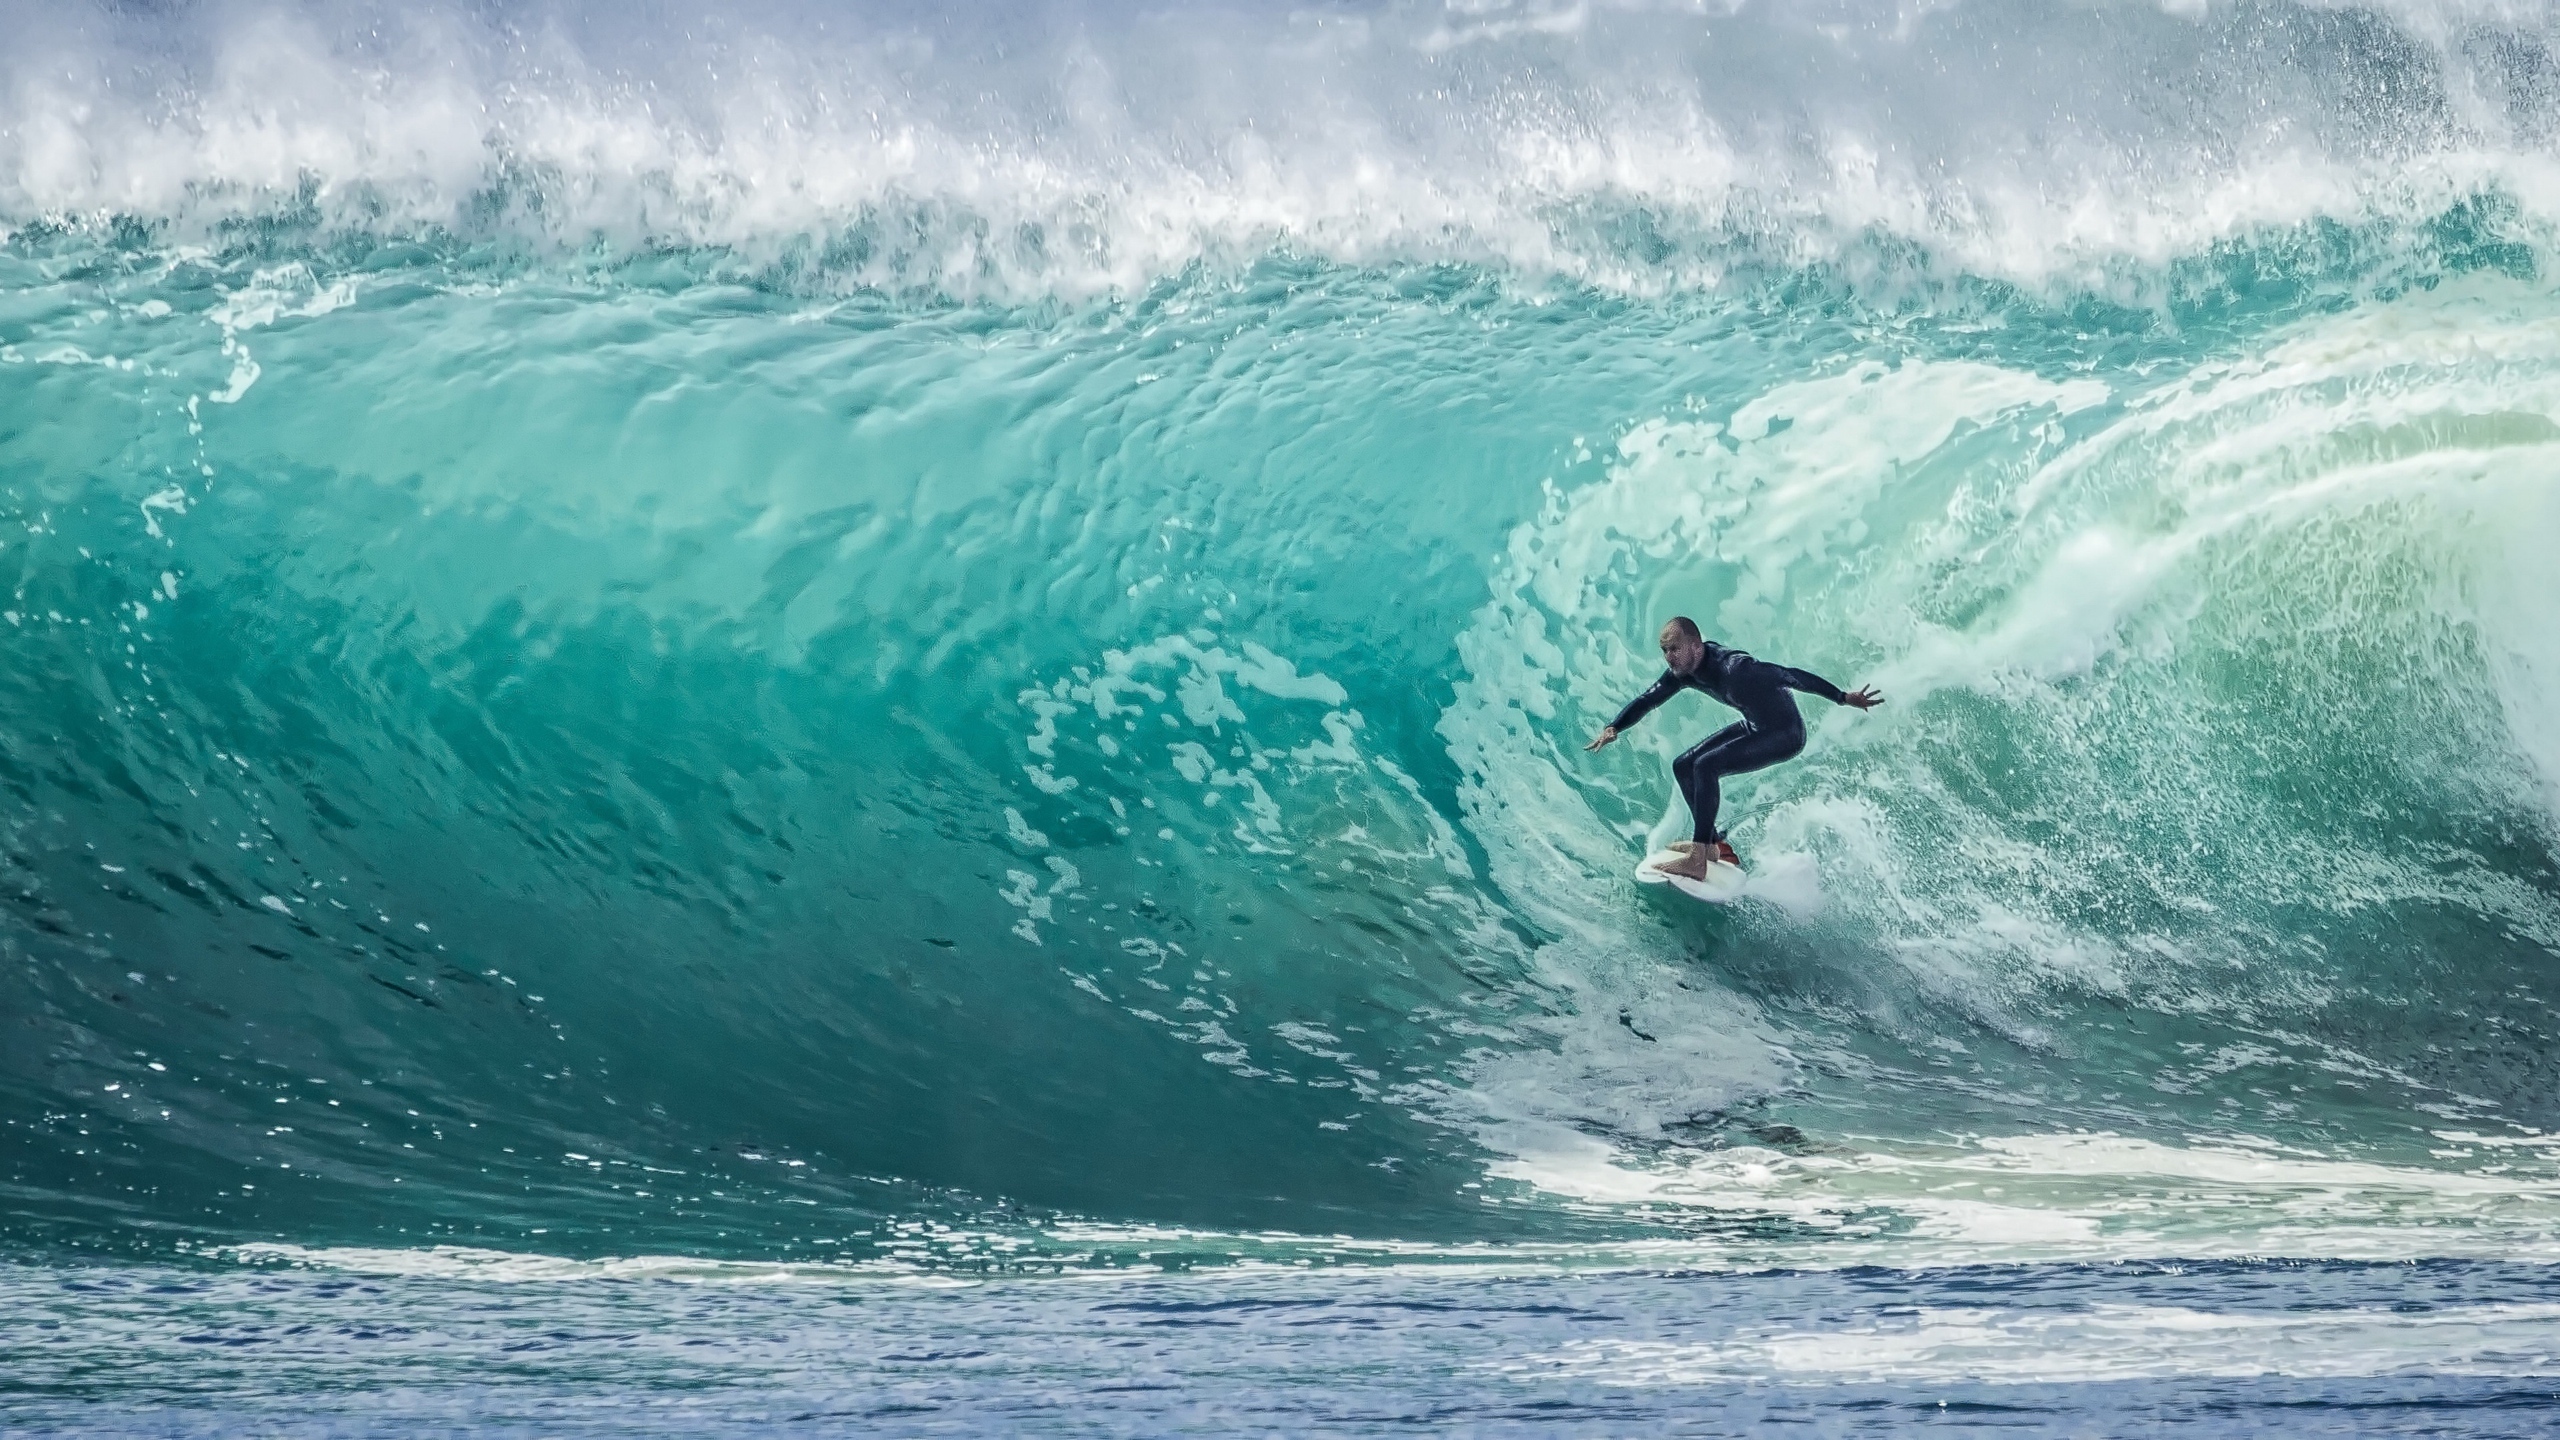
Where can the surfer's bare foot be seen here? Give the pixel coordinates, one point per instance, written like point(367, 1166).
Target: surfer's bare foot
point(1693, 862)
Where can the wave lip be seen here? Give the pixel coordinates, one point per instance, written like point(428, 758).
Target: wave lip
point(1055, 152)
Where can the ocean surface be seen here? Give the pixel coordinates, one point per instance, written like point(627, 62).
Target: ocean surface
point(849, 718)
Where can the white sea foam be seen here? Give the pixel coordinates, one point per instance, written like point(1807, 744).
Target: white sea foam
point(2083, 1197)
point(2106, 1342)
point(1630, 144)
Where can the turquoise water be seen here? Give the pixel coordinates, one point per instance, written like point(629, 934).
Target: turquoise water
point(854, 647)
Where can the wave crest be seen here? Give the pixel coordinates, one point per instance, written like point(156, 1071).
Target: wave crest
point(1048, 151)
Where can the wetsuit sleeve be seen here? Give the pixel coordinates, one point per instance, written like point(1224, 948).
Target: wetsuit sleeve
point(1810, 683)
point(1646, 703)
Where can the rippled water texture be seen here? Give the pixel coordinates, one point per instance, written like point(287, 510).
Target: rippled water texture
point(2314, 1349)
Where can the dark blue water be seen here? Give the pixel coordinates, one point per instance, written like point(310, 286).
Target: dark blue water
point(2210, 1349)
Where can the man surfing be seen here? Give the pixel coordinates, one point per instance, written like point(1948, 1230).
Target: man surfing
point(1769, 731)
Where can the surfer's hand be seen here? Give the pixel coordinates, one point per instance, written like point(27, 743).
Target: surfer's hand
point(1865, 697)
point(1607, 734)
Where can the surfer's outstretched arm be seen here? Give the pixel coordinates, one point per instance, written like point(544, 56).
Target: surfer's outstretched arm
point(1810, 683)
point(1865, 697)
point(1638, 708)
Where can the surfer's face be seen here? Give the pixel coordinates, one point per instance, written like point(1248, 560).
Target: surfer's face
point(1681, 650)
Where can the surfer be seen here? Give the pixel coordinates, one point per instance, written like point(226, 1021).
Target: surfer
point(1769, 731)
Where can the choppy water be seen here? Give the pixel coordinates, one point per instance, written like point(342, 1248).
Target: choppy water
point(932, 650)
point(491, 1347)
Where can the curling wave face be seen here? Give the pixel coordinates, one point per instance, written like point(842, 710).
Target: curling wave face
point(704, 641)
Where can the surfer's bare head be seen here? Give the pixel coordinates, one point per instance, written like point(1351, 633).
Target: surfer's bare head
point(1682, 646)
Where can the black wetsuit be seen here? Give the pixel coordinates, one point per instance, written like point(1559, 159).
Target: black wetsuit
point(1769, 731)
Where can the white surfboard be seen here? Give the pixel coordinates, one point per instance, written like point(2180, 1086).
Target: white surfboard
point(1722, 886)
